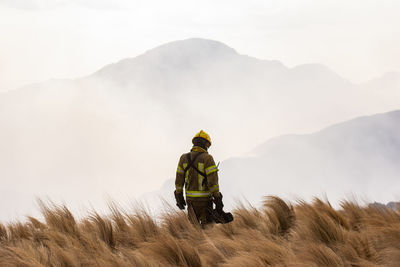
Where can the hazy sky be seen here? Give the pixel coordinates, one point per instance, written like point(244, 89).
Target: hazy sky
point(44, 39)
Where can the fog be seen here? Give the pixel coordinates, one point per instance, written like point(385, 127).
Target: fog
point(119, 131)
point(43, 39)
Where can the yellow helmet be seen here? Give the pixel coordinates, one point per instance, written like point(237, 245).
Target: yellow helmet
point(202, 134)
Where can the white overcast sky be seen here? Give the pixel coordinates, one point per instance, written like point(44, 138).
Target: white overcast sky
point(44, 39)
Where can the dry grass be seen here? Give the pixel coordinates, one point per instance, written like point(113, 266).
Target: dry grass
point(277, 234)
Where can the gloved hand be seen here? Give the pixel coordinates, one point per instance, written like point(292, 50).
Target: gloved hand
point(180, 200)
point(218, 202)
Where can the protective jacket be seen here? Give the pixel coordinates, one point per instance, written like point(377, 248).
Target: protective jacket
point(199, 184)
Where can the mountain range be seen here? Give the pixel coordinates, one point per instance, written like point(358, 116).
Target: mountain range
point(122, 128)
point(355, 160)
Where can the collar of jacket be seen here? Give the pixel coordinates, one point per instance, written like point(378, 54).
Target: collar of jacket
point(198, 149)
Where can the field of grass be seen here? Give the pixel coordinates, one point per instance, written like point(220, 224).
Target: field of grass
point(277, 234)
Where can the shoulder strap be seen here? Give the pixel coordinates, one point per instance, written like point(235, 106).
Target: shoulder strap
point(191, 164)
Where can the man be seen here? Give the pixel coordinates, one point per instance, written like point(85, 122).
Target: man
point(198, 173)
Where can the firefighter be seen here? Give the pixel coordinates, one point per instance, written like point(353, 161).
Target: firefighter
point(198, 173)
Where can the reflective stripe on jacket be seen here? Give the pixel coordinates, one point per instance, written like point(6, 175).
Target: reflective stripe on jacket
point(194, 182)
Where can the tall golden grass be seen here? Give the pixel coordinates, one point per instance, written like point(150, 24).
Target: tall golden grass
point(277, 234)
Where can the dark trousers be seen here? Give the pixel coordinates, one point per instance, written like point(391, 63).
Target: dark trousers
point(198, 211)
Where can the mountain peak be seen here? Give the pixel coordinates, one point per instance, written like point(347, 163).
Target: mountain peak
point(189, 52)
point(193, 46)
point(178, 55)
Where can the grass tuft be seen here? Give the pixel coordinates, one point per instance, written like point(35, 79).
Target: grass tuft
point(277, 234)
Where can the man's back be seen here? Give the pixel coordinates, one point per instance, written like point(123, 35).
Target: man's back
point(198, 175)
point(201, 178)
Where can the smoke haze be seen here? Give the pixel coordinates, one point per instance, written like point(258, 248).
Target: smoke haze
point(68, 39)
point(277, 68)
point(120, 131)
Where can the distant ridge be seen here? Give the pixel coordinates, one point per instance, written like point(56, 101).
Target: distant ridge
point(181, 55)
point(358, 156)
